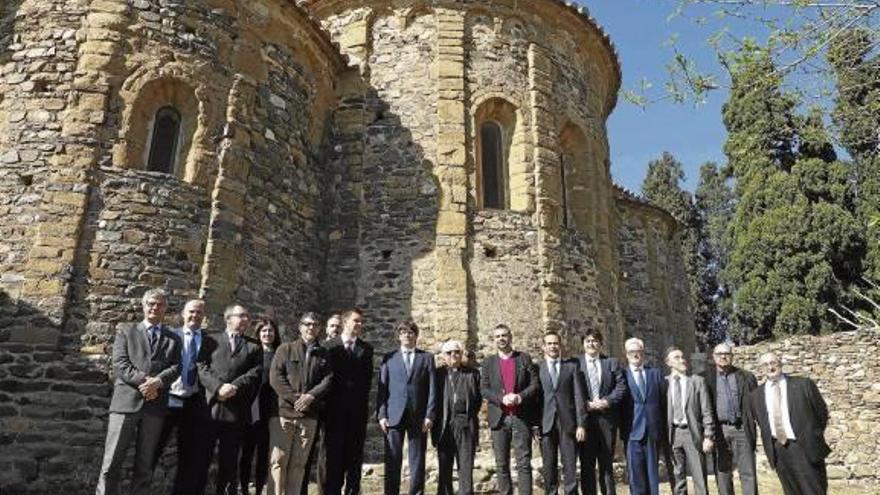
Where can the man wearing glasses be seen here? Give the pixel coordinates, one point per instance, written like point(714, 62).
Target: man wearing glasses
point(230, 369)
point(455, 432)
point(301, 376)
point(729, 389)
point(644, 426)
point(406, 401)
point(509, 383)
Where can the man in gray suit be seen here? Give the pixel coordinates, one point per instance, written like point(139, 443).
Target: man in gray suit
point(690, 424)
point(146, 359)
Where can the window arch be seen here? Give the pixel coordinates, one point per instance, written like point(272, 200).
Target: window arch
point(492, 166)
point(164, 141)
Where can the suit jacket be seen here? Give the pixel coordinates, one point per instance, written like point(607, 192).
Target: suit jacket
point(563, 404)
point(292, 375)
point(645, 416)
point(243, 368)
point(469, 390)
point(612, 387)
point(399, 391)
point(133, 362)
point(808, 414)
point(352, 378)
point(526, 385)
point(697, 409)
point(745, 383)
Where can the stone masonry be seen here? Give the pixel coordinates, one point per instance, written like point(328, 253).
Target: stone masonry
point(327, 156)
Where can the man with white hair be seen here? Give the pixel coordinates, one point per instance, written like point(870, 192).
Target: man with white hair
point(729, 389)
point(792, 415)
point(644, 425)
point(455, 433)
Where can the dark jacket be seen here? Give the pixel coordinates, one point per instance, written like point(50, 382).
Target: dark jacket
point(217, 365)
point(698, 411)
point(469, 391)
point(745, 383)
point(398, 391)
point(612, 387)
point(564, 404)
point(352, 379)
point(645, 416)
point(808, 414)
point(133, 362)
point(292, 375)
point(527, 386)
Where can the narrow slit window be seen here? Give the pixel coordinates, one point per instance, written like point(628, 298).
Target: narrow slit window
point(564, 189)
point(163, 145)
point(492, 163)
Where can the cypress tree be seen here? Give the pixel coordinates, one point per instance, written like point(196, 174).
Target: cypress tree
point(795, 245)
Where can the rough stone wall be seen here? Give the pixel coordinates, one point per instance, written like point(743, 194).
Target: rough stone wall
point(846, 367)
point(653, 286)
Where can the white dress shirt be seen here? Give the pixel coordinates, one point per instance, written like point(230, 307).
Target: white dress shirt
point(684, 394)
point(771, 407)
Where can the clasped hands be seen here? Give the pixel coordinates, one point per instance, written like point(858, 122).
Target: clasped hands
point(150, 387)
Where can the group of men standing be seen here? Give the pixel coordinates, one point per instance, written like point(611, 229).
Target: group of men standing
point(210, 388)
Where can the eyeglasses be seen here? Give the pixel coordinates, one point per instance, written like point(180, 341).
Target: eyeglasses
point(453, 352)
point(240, 315)
point(723, 354)
point(308, 323)
point(503, 336)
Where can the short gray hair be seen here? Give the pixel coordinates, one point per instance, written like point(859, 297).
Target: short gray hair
point(634, 342)
point(724, 345)
point(157, 293)
point(768, 357)
point(227, 312)
point(193, 302)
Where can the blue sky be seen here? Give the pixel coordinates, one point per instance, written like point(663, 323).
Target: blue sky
point(694, 134)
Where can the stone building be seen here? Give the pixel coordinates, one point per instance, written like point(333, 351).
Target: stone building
point(441, 160)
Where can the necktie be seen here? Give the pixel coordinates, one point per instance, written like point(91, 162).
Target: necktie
point(781, 436)
point(407, 361)
point(640, 382)
point(554, 372)
point(153, 333)
point(349, 345)
point(233, 342)
point(594, 379)
point(189, 373)
point(677, 409)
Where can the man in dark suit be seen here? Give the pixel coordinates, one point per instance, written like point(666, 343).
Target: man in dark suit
point(188, 413)
point(351, 358)
point(563, 416)
point(792, 415)
point(406, 402)
point(509, 383)
point(455, 433)
point(729, 389)
point(230, 370)
point(689, 424)
point(606, 387)
point(644, 423)
point(146, 360)
point(301, 376)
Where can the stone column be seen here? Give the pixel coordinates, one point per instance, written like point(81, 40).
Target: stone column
point(452, 317)
point(548, 188)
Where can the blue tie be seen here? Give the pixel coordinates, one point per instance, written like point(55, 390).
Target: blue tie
point(154, 337)
point(640, 382)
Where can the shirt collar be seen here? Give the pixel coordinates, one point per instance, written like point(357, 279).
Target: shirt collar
point(408, 349)
point(634, 369)
point(194, 331)
point(149, 325)
point(591, 359)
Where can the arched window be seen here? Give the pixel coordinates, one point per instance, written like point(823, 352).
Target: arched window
point(163, 145)
point(492, 165)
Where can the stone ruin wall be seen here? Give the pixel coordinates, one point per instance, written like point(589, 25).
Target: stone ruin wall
point(846, 367)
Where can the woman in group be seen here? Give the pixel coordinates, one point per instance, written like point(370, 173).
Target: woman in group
point(256, 439)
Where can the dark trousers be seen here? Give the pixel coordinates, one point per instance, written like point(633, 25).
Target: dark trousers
point(643, 466)
point(687, 457)
point(189, 424)
point(797, 474)
point(227, 437)
point(457, 445)
point(513, 430)
point(318, 461)
point(598, 449)
point(412, 430)
point(344, 445)
point(733, 451)
point(254, 447)
point(554, 443)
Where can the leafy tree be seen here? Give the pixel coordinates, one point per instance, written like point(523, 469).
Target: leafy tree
point(795, 245)
point(856, 115)
point(662, 187)
point(715, 202)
